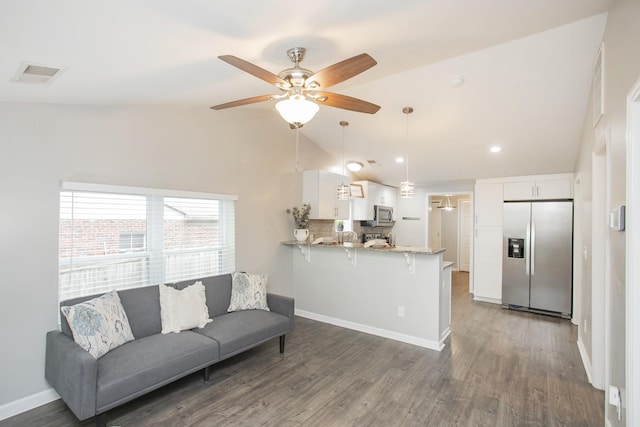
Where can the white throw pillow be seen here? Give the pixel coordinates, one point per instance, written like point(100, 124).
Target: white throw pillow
point(100, 324)
point(185, 309)
point(248, 292)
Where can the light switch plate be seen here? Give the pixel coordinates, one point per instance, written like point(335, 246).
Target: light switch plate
point(616, 218)
point(614, 395)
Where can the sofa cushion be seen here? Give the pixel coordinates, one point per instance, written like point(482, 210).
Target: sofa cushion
point(241, 330)
point(150, 362)
point(183, 309)
point(99, 324)
point(248, 291)
point(142, 306)
point(218, 292)
point(143, 309)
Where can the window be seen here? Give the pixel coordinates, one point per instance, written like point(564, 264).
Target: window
point(123, 237)
point(132, 242)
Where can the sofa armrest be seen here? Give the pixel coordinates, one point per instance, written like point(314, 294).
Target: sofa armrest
point(72, 372)
point(282, 305)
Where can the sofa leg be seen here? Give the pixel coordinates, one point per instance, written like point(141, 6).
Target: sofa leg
point(101, 420)
point(206, 373)
point(282, 343)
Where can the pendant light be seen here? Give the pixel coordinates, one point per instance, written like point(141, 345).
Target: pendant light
point(343, 192)
point(445, 203)
point(406, 187)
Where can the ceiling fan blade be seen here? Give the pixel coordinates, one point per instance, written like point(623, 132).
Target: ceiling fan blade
point(341, 71)
point(346, 102)
point(245, 101)
point(252, 69)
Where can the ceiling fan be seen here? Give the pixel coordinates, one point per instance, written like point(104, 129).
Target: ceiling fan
point(303, 90)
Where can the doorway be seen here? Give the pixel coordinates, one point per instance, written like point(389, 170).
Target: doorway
point(449, 225)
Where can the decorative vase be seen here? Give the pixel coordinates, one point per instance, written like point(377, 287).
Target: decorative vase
point(301, 234)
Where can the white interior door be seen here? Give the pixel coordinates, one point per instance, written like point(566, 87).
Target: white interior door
point(464, 235)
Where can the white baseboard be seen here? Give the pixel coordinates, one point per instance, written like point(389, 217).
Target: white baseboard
point(586, 362)
point(409, 339)
point(26, 403)
point(485, 299)
point(444, 336)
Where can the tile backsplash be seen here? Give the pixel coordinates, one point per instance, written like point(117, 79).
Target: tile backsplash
point(326, 228)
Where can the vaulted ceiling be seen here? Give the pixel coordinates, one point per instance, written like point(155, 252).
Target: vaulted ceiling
point(527, 70)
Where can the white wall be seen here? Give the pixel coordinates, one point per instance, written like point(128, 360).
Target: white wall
point(245, 152)
point(410, 226)
point(621, 70)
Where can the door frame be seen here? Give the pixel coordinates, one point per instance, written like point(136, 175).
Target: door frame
point(468, 193)
point(632, 309)
point(460, 232)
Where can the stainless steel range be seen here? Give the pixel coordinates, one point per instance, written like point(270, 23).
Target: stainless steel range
point(371, 236)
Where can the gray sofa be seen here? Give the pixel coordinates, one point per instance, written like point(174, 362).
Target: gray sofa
point(91, 387)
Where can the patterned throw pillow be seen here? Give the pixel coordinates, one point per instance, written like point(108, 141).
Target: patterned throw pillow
point(100, 324)
point(185, 309)
point(248, 292)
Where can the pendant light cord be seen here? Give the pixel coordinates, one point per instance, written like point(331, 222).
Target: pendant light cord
point(407, 135)
point(343, 126)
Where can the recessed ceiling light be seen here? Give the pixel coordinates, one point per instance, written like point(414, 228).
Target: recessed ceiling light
point(495, 149)
point(457, 81)
point(399, 160)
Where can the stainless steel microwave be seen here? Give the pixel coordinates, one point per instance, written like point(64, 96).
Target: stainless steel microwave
point(383, 214)
point(382, 217)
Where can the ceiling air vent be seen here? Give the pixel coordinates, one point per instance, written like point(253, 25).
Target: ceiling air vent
point(36, 74)
point(374, 164)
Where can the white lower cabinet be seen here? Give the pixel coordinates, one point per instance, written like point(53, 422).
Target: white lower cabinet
point(487, 269)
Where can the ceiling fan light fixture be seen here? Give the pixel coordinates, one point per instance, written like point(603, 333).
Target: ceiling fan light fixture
point(297, 110)
point(354, 166)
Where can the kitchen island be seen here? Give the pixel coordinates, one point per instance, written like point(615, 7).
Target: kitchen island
point(402, 293)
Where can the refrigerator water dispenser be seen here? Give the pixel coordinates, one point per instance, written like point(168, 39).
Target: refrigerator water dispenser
point(516, 248)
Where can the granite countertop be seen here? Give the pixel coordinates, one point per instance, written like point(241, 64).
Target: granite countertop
point(398, 248)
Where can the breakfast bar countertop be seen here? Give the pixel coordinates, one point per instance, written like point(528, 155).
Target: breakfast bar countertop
point(347, 245)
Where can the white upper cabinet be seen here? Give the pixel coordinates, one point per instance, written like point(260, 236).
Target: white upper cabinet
point(319, 189)
point(374, 194)
point(488, 204)
point(551, 187)
point(386, 196)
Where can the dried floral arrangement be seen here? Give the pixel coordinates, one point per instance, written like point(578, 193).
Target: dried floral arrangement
point(301, 215)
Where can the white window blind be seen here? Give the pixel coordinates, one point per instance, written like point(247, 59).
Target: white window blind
point(122, 237)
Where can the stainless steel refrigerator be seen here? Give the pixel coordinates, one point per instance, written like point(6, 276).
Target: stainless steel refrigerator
point(537, 264)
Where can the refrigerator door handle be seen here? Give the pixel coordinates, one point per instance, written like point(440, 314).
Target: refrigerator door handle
point(532, 251)
point(527, 245)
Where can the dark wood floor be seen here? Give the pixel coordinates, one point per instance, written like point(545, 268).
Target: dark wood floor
point(499, 368)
